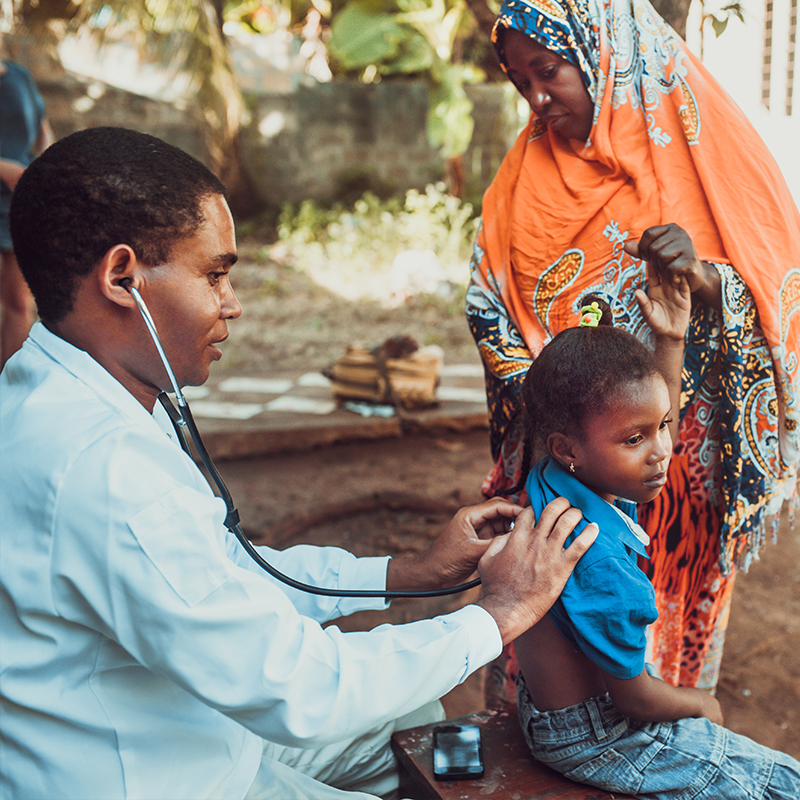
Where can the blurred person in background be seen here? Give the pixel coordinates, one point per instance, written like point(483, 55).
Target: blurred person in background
point(25, 134)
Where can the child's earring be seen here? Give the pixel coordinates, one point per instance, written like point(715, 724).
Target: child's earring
point(572, 467)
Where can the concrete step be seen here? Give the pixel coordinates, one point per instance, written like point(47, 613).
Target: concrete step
point(242, 416)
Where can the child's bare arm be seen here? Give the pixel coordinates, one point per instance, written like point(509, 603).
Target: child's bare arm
point(668, 304)
point(650, 699)
point(666, 310)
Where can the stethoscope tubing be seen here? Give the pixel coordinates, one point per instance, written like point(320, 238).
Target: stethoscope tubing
point(182, 417)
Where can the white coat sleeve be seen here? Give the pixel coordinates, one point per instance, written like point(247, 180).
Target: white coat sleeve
point(143, 560)
point(329, 567)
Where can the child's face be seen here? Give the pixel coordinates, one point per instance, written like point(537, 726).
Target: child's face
point(625, 451)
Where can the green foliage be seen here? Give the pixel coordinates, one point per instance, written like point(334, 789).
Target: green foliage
point(719, 19)
point(449, 123)
point(266, 16)
point(720, 23)
point(251, 15)
point(351, 250)
point(363, 34)
point(412, 37)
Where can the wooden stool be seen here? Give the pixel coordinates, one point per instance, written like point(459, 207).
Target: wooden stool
point(510, 770)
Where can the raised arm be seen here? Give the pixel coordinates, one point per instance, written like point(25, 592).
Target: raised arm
point(667, 305)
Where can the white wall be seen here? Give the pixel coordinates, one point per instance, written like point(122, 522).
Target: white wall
point(735, 59)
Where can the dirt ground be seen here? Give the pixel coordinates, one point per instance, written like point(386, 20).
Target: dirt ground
point(392, 496)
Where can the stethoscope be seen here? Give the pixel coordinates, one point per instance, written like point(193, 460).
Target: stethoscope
point(184, 422)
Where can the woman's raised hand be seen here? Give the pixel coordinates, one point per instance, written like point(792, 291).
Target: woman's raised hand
point(671, 258)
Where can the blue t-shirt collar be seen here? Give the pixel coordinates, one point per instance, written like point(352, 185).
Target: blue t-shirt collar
point(548, 480)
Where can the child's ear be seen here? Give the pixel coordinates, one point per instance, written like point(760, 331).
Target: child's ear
point(561, 448)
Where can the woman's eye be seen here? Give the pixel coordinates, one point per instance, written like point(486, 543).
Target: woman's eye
point(634, 439)
point(666, 423)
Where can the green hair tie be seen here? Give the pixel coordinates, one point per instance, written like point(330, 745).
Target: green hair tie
point(591, 316)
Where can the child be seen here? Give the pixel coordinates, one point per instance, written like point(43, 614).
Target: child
point(604, 407)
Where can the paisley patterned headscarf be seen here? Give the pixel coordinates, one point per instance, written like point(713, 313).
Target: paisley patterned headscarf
point(667, 144)
point(566, 29)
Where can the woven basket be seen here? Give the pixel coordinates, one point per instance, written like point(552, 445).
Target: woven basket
point(391, 374)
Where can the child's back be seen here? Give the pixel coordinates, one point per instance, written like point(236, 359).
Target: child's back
point(596, 627)
point(559, 675)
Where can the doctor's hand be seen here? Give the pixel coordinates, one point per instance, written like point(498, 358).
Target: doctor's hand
point(523, 572)
point(453, 558)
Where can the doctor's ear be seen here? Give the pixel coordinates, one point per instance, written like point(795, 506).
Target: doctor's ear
point(562, 449)
point(118, 270)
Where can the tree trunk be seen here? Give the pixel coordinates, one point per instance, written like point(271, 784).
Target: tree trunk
point(675, 13)
point(484, 15)
point(244, 200)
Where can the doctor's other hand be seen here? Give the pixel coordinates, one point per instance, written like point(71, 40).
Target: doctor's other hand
point(523, 572)
point(453, 558)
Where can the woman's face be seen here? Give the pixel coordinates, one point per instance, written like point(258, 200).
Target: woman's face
point(552, 86)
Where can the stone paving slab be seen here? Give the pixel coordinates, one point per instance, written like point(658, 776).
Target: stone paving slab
point(247, 416)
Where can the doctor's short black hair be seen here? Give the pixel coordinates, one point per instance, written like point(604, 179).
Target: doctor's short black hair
point(95, 189)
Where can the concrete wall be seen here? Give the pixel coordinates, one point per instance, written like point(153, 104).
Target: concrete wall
point(74, 104)
point(322, 139)
point(314, 142)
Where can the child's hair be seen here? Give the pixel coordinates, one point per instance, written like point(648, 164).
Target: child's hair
point(578, 374)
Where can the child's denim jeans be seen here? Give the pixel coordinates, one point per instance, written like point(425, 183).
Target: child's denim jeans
point(691, 759)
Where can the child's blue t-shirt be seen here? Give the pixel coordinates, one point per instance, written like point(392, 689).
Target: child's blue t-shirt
point(608, 602)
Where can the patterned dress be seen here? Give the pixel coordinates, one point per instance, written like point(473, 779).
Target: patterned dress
point(666, 145)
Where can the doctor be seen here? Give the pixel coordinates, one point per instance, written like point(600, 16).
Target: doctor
point(143, 654)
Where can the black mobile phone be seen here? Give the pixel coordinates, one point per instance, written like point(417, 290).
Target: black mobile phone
point(457, 752)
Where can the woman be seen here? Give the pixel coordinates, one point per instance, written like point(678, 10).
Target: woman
point(630, 138)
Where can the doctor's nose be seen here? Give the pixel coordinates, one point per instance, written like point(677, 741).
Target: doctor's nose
point(231, 307)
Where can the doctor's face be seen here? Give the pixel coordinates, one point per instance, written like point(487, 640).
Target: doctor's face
point(552, 86)
point(191, 298)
